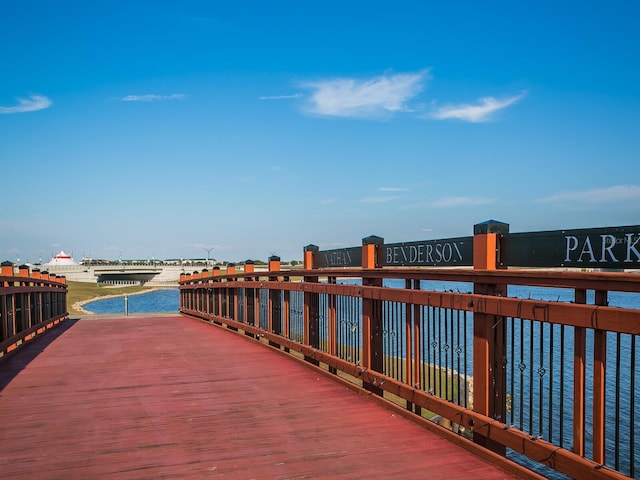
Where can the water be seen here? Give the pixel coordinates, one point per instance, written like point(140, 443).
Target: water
point(164, 300)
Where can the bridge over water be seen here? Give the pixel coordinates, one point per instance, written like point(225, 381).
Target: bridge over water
point(548, 379)
point(126, 273)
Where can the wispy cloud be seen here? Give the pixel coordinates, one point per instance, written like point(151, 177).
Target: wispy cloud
point(374, 97)
point(31, 104)
point(378, 199)
point(617, 193)
point(328, 201)
point(281, 97)
point(461, 201)
point(334, 245)
point(480, 112)
point(393, 189)
point(153, 98)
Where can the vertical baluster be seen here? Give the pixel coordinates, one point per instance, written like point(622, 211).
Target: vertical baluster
point(562, 367)
point(599, 386)
point(465, 357)
point(340, 326)
point(541, 373)
point(447, 348)
point(617, 402)
point(632, 407)
point(512, 365)
point(416, 379)
point(551, 393)
point(430, 360)
point(424, 347)
point(459, 351)
point(439, 362)
point(531, 360)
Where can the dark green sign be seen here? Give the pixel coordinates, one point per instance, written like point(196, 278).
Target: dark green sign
point(340, 257)
point(452, 252)
point(611, 247)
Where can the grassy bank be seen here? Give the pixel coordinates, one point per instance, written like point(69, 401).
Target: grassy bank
point(83, 291)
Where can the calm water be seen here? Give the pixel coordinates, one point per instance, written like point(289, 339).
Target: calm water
point(165, 300)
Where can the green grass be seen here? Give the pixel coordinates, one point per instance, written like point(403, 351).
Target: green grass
point(82, 291)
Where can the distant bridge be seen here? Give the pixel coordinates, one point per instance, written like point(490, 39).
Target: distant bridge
point(152, 273)
point(121, 273)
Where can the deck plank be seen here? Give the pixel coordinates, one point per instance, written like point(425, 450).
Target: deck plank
point(172, 397)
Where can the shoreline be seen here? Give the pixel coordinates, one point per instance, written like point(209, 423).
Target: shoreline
point(79, 306)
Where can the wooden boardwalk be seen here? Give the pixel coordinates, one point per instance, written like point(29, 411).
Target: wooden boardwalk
point(172, 397)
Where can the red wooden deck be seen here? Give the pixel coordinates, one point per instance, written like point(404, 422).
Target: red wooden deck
point(172, 397)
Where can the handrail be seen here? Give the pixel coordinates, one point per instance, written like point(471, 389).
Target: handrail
point(31, 303)
point(413, 349)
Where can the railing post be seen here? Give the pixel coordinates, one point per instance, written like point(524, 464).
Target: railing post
point(311, 334)
point(249, 266)
point(413, 362)
point(184, 294)
point(216, 292)
point(372, 319)
point(249, 297)
point(204, 292)
point(310, 254)
point(196, 291)
point(332, 324)
point(489, 333)
point(6, 328)
point(275, 300)
point(233, 299)
point(21, 301)
point(7, 269)
point(37, 305)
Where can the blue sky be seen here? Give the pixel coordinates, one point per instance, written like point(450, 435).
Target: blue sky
point(161, 129)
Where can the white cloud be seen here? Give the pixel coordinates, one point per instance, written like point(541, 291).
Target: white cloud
point(393, 189)
point(280, 97)
point(461, 201)
point(374, 97)
point(31, 104)
point(378, 199)
point(153, 98)
point(481, 112)
point(617, 193)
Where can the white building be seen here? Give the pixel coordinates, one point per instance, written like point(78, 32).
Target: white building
point(61, 259)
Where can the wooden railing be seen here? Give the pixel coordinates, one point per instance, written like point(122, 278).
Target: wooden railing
point(535, 365)
point(31, 302)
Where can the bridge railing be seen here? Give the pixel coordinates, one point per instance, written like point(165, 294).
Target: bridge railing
point(540, 365)
point(31, 302)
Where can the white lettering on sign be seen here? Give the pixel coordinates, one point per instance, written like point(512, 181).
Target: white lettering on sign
point(335, 258)
point(600, 248)
point(448, 252)
point(631, 246)
point(608, 241)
